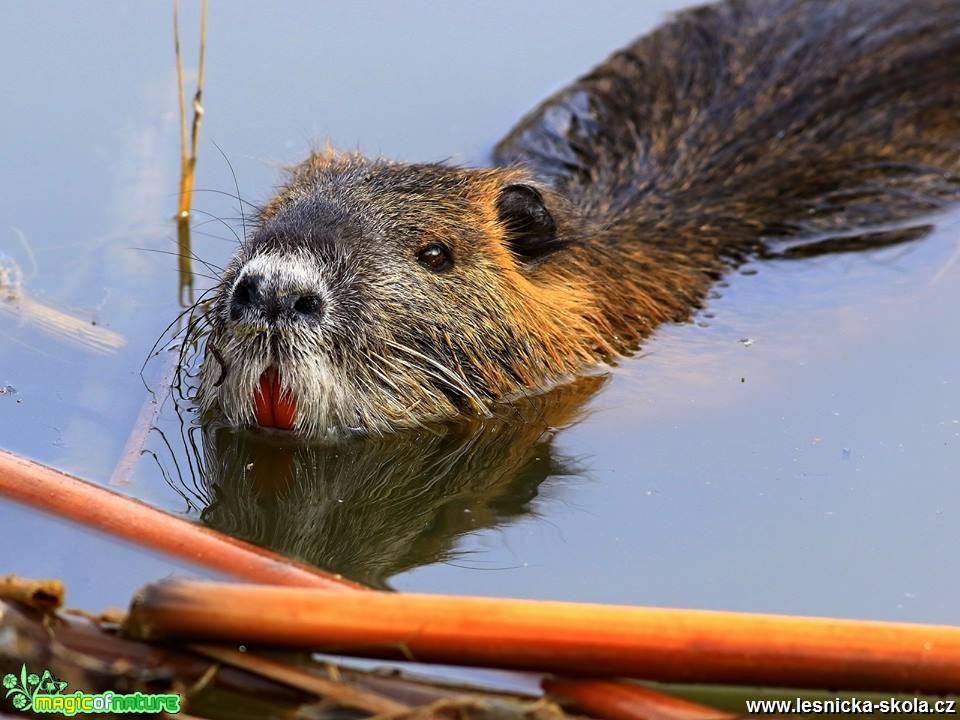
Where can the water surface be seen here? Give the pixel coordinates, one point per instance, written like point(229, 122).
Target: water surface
point(795, 449)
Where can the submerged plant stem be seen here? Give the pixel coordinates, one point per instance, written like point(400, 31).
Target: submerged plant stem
point(188, 163)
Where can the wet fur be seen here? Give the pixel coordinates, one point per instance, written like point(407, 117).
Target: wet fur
point(729, 130)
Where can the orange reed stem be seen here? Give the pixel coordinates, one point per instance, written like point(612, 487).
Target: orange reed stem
point(107, 511)
point(567, 638)
point(623, 701)
point(69, 497)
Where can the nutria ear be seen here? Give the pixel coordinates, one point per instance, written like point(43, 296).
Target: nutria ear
point(531, 232)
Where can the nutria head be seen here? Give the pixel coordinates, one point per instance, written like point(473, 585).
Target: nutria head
point(374, 295)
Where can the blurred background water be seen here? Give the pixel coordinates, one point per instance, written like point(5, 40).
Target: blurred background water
point(795, 449)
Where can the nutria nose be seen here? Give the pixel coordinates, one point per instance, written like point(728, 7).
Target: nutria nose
point(246, 295)
point(253, 294)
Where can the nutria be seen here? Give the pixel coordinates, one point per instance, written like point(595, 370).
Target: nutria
point(374, 295)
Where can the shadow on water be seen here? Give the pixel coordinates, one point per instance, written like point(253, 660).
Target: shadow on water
point(371, 508)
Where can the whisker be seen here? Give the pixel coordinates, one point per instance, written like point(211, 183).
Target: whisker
point(194, 231)
point(192, 326)
point(174, 322)
point(224, 368)
point(252, 205)
point(193, 330)
point(216, 218)
point(221, 221)
point(409, 409)
point(455, 381)
point(192, 256)
point(235, 184)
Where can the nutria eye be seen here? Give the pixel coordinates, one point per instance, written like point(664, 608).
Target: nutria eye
point(435, 257)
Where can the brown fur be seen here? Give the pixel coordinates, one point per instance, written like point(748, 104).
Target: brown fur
point(750, 127)
point(743, 123)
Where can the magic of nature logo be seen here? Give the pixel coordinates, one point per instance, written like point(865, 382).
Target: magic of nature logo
point(44, 693)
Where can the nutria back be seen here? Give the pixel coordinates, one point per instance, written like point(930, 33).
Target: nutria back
point(760, 119)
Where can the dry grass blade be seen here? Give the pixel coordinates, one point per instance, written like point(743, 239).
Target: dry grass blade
point(14, 300)
point(38, 594)
point(481, 708)
point(61, 324)
point(336, 692)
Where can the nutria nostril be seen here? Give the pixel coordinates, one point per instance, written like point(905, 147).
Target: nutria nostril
point(308, 304)
point(246, 294)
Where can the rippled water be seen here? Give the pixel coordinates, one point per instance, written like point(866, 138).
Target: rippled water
point(793, 450)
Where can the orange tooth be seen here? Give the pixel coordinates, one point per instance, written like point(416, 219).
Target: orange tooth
point(272, 406)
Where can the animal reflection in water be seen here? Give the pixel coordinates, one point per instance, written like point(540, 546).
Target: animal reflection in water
point(371, 508)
